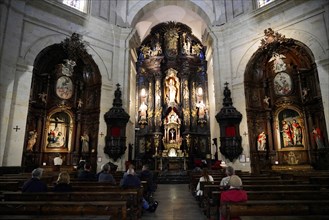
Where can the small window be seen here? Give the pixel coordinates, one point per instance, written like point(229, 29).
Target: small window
point(80, 5)
point(262, 3)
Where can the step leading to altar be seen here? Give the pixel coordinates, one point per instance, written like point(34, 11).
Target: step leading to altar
point(173, 177)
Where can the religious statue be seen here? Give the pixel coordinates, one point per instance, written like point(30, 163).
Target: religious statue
point(279, 64)
point(80, 103)
point(266, 100)
point(317, 135)
point(172, 90)
point(201, 109)
point(32, 140)
point(85, 143)
point(261, 141)
point(143, 110)
point(43, 97)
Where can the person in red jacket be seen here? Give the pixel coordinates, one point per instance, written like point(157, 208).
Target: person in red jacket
point(233, 194)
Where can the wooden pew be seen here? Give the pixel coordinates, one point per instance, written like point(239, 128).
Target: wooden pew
point(276, 208)
point(214, 202)
point(10, 186)
point(132, 196)
point(115, 209)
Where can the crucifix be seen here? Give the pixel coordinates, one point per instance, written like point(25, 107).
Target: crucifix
point(101, 134)
point(245, 134)
point(16, 128)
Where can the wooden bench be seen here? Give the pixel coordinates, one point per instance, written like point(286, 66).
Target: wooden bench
point(214, 203)
point(113, 209)
point(10, 186)
point(276, 208)
point(132, 196)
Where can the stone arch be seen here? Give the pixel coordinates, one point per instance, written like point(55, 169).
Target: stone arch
point(282, 60)
point(35, 48)
point(64, 68)
point(140, 9)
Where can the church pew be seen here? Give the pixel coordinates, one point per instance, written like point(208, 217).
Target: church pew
point(10, 186)
point(194, 182)
point(115, 209)
point(276, 208)
point(214, 201)
point(132, 196)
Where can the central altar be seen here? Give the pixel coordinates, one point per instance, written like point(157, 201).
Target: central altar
point(172, 120)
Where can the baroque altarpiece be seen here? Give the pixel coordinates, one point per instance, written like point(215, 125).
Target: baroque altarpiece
point(64, 105)
point(172, 94)
point(286, 121)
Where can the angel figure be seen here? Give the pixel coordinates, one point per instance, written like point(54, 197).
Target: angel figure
point(43, 97)
point(267, 100)
point(279, 64)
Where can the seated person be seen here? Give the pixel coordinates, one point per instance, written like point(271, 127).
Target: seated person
point(131, 166)
point(204, 178)
point(86, 174)
point(58, 161)
point(131, 180)
point(233, 194)
point(229, 171)
point(35, 184)
point(105, 175)
point(147, 175)
point(63, 183)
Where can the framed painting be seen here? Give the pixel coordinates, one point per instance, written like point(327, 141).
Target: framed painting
point(59, 132)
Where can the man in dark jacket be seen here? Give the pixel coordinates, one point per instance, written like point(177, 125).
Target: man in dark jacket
point(35, 184)
point(131, 180)
point(147, 175)
point(87, 174)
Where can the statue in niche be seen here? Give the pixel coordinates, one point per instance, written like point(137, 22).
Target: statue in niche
point(32, 140)
point(261, 141)
point(143, 111)
point(172, 90)
point(318, 138)
point(85, 143)
point(201, 109)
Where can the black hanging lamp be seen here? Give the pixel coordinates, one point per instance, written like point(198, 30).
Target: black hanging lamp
point(116, 120)
point(229, 121)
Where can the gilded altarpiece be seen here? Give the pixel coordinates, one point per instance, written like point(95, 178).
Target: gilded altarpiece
point(64, 106)
point(284, 106)
point(171, 94)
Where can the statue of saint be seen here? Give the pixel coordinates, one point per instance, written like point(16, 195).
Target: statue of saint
point(142, 110)
point(85, 143)
point(172, 90)
point(32, 140)
point(261, 141)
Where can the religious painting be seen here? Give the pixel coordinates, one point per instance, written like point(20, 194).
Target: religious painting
point(291, 128)
point(59, 131)
point(282, 84)
point(64, 87)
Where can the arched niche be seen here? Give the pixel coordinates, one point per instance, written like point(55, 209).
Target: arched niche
point(66, 86)
point(282, 85)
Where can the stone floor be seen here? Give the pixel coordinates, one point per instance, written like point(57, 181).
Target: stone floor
point(175, 203)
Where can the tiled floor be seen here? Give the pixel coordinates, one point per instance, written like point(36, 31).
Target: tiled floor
point(175, 203)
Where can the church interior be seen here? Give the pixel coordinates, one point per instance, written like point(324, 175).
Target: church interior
point(175, 84)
